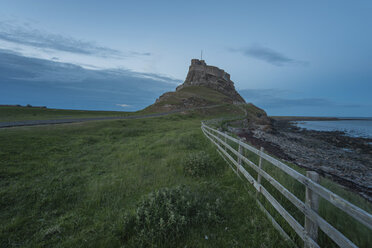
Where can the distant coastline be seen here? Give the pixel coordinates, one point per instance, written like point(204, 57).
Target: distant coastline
point(25, 106)
point(318, 118)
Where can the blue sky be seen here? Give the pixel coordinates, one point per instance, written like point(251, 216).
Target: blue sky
point(288, 57)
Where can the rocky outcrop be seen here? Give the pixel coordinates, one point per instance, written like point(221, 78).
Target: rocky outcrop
point(201, 74)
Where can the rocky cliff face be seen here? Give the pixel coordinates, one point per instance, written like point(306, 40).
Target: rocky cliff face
point(201, 74)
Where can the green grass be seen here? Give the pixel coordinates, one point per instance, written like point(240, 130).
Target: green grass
point(72, 185)
point(200, 94)
point(10, 113)
point(205, 92)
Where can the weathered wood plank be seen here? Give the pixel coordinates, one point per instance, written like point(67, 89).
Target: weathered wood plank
point(289, 218)
point(233, 169)
point(240, 150)
point(240, 168)
point(275, 224)
point(311, 201)
point(226, 160)
point(258, 174)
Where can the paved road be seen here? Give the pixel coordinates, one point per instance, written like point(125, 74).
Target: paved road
point(63, 121)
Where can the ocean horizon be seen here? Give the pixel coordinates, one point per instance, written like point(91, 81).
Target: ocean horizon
point(351, 126)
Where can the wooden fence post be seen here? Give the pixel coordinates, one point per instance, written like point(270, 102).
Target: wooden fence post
point(259, 175)
point(240, 150)
point(312, 200)
point(225, 141)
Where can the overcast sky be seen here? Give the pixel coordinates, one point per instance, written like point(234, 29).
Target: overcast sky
point(289, 57)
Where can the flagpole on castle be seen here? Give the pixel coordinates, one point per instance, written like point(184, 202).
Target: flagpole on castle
point(201, 55)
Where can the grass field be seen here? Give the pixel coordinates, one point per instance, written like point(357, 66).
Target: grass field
point(13, 113)
point(74, 185)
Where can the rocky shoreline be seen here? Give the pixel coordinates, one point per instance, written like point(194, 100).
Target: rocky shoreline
point(347, 160)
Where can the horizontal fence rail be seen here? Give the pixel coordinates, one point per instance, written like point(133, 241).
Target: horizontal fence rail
point(309, 208)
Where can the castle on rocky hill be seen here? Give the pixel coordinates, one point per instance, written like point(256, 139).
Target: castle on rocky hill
point(204, 86)
point(201, 74)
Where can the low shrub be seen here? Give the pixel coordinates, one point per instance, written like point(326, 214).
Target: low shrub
point(164, 216)
point(198, 164)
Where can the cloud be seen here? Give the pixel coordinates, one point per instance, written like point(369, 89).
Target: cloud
point(269, 55)
point(162, 78)
point(289, 102)
point(54, 84)
point(29, 36)
point(123, 105)
point(141, 54)
point(15, 67)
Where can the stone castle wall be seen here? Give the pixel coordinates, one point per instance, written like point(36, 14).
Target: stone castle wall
point(200, 65)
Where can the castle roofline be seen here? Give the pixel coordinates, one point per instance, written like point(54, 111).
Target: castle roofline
point(200, 65)
point(198, 62)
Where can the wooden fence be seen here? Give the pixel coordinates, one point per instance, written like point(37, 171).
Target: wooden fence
point(309, 232)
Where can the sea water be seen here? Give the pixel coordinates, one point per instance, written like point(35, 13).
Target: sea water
point(356, 127)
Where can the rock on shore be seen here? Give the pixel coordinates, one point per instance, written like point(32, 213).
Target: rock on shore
point(346, 160)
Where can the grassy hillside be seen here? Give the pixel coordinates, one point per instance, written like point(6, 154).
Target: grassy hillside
point(85, 184)
point(189, 97)
point(13, 113)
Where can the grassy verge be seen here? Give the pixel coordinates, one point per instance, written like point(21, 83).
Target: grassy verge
point(76, 184)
